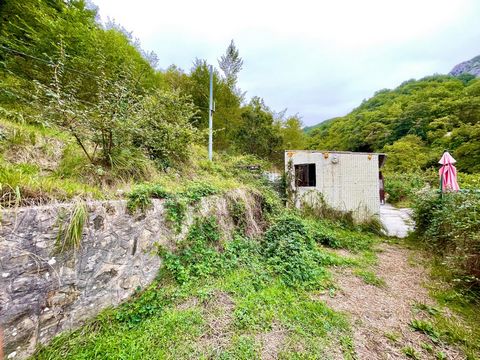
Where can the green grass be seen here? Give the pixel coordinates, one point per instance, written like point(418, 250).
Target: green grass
point(369, 277)
point(336, 234)
point(462, 329)
point(25, 184)
point(44, 164)
point(261, 299)
point(456, 319)
point(393, 336)
point(40, 164)
point(170, 335)
point(140, 197)
point(427, 328)
point(411, 353)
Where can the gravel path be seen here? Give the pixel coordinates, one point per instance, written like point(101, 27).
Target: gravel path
point(381, 315)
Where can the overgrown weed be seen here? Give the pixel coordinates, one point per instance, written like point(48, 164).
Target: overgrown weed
point(456, 319)
point(268, 279)
point(70, 235)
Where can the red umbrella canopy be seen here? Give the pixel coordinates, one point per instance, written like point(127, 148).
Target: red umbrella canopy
point(448, 173)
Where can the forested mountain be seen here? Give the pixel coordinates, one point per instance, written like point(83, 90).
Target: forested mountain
point(413, 123)
point(308, 129)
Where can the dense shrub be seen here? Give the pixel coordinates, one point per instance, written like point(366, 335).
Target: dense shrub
point(408, 154)
point(291, 251)
point(469, 181)
point(199, 189)
point(337, 235)
point(176, 211)
point(401, 186)
point(197, 256)
point(450, 225)
point(163, 127)
point(140, 197)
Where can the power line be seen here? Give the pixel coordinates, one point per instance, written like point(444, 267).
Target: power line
point(48, 62)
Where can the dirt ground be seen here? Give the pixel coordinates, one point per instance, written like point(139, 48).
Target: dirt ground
point(381, 315)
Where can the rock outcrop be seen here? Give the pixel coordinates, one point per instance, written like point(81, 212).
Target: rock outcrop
point(467, 67)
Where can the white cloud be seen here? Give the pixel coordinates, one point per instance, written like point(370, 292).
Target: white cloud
point(297, 53)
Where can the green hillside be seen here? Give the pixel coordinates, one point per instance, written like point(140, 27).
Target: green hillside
point(84, 111)
point(413, 123)
point(323, 124)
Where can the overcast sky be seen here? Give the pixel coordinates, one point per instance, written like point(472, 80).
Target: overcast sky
point(319, 59)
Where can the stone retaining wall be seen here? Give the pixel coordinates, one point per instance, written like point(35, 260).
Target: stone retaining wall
point(43, 292)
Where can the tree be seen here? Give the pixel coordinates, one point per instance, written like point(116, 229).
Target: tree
point(227, 102)
point(102, 127)
point(163, 127)
point(256, 133)
point(293, 136)
point(231, 64)
point(408, 154)
point(121, 120)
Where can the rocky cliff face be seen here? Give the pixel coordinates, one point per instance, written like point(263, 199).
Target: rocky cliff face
point(467, 67)
point(44, 292)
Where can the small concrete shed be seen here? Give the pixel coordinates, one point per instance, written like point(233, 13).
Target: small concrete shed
point(348, 181)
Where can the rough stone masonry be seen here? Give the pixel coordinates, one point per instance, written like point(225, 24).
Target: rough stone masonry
point(43, 292)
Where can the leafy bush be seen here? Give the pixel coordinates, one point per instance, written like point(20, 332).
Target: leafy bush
point(408, 154)
point(196, 256)
point(290, 250)
point(176, 211)
point(427, 328)
point(337, 235)
point(469, 181)
point(237, 210)
point(141, 196)
point(163, 127)
point(270, 202)
point(147, 303)
point(196, 190)
point(450, 225)
point(401, 187)
point(203, 254)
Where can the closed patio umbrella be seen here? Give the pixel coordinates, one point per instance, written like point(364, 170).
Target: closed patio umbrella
point(448, 173)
